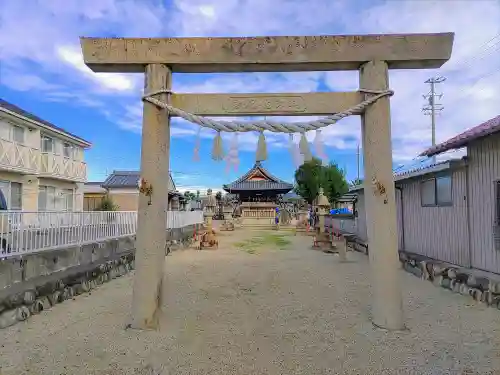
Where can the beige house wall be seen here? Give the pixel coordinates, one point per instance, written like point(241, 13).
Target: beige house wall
point(23, 162)
point(26, 156)
point(128, 199)
point(30, 186)
point(62, 185)
point(125, 199)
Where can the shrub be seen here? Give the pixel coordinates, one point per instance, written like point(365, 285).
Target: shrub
point(107, 204)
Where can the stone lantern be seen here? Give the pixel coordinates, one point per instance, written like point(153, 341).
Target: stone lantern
point(209, 209)
point(323, 207)
point(208, 239)
point(322, 238)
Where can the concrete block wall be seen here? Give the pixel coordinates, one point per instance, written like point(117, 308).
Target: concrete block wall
point(60, 274)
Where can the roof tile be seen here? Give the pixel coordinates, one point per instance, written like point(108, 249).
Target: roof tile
point(127, 179)
point(13, 108)
point(489, 127)
point(272, 182)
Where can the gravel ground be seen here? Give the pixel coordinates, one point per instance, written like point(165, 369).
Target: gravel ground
point(291, 311)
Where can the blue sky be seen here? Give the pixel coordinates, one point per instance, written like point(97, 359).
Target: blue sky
point(41, 70)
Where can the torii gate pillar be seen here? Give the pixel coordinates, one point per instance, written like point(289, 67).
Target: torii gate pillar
point(380, 201)
point(151, 236)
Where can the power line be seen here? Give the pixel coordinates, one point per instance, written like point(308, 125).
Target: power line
point(467, 61)
point(477, 80)
point(484, 50)
point(432, 107)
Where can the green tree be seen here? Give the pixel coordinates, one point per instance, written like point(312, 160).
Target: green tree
point(308, 179)
point(218, 196)
point(189, 196)
point(357, 181)
point(312, 175)
point(334, 182)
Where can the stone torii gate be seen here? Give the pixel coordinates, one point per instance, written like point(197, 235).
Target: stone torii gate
point(372, 55)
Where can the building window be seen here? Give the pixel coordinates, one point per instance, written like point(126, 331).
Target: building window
point(436, 192)
point(18, 134)
point(10, 132)
point(68, 199)
point(497, 202)
point(68, 150)
point(13, 193)
point(77, 153)
point(4, 130)
point(443, 191)
point(496, 224)
point(46, 198)
point(47, 144)
point(428, 192)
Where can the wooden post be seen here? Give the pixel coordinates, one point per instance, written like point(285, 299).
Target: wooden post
point(151, 221)
point(380, 201)
point(343, 250)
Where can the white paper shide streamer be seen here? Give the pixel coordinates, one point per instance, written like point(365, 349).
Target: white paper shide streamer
point(297, 157)
point(300, 127)
point(319, 146)
point(232, 157)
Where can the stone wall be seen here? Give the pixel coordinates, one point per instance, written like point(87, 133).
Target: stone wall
point(481, 287)
point(35, 282)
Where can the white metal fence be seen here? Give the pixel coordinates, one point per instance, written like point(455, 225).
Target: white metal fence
point(24, 232)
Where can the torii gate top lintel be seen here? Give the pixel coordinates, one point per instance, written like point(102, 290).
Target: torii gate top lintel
point(267, 54)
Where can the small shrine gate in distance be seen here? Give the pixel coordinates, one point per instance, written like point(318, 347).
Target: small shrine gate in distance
point(371, 55)
point(258, 192)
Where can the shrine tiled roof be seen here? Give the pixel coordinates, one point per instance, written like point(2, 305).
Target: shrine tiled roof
point(268, 181)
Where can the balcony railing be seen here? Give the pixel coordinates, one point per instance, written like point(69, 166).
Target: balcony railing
point(30, 232)
point(24, 159)
point(17, 157)
point(58, 166)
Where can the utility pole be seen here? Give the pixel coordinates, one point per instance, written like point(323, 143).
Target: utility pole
point(432, 107)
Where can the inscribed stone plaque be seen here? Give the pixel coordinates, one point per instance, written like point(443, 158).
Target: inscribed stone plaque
point(264, 104)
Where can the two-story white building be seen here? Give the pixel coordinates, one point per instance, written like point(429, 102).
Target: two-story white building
point(41, 165)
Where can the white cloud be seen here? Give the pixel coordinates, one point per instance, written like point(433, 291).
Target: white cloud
point(468, 99)
point(114, 81)
point(207, 11)
point(39, 54)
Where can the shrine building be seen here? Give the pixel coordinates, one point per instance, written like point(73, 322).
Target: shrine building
point(258, 192)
